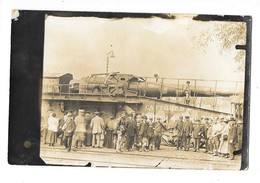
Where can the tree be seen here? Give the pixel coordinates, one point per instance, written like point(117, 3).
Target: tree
point(228, 34)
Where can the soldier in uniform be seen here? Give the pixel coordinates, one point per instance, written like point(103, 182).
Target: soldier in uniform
point(178, 126)
point(186, 133)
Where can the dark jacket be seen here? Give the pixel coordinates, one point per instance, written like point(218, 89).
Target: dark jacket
point(187, 128)
point(150, 130)
point(197, 131)
point(179, 127)
point(232, 135)
point(121, 125)
point(144, 129)
point(69, 127)
point(130, 127)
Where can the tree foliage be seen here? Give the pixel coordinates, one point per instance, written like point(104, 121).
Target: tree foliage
point(228, 34)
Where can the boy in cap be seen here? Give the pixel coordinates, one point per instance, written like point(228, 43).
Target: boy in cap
point(121, 130)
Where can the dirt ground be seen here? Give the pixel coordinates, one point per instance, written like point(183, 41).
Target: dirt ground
point(167, 157)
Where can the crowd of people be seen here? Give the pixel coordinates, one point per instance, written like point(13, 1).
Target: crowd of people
point(137, 132)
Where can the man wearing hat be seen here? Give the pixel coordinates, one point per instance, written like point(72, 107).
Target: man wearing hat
point(232, 137)
point(158, 131)
point(88, 141)
point(80, 130)
point(186, 133)
point(130, 131)
point(68, 128)
point(197, 134)
point(97, 125)
point(178, 126)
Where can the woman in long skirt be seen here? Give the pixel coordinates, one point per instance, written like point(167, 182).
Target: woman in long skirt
point(223, 147)
point(53, 124)
point(110, 129)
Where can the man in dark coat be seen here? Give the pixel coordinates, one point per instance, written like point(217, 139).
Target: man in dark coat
point(68, 128)
point(130, 132)
point(186, 133)
point(143, 132)
point(179, 126)
point(159, 128)
point(205, 132)
point(88, 141)
point(232, 138)
point(197, 134)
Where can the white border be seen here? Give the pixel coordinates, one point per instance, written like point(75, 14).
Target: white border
point(60, 174)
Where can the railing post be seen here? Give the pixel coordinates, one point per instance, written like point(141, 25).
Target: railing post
point(177, 92)
point(161, 89)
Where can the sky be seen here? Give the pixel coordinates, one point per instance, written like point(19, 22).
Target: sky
point(142, 46)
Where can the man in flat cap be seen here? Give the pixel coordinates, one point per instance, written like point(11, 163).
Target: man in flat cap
point(197, 134)
point(97, 125)
point(178, 126)
point(186, 133)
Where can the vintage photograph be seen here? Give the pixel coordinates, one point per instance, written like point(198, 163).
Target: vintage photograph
point(144, 91)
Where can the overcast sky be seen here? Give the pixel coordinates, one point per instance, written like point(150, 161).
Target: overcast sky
point(79, 45)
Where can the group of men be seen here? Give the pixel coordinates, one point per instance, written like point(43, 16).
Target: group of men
point(220, 135)
point(134, 131)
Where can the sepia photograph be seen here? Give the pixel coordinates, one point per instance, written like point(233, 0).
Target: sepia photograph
point(135, 90)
